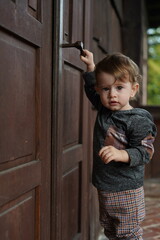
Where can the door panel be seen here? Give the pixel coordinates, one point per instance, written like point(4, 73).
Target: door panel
point(72, 154)
point(71, 203)
point(20, 21)
point(72, 157)
point(18, 214)
point(72, 104)
point(25, 160)
point(71, 188)
point(73, 13)
point(18, 105)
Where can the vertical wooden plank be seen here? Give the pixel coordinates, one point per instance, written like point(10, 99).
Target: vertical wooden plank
point(45, 116)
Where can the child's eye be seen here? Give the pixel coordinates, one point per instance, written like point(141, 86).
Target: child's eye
point(105, 89)
point(119, 87)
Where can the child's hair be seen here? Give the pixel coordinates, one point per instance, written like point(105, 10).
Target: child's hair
point(119, 66)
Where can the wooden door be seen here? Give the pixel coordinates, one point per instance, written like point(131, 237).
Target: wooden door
point(25, 79)
point(70, 130)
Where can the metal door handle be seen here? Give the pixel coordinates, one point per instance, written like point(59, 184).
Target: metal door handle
point(78, 45)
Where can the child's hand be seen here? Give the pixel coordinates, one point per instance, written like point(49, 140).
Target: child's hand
point(110, 153)
point(88, 60)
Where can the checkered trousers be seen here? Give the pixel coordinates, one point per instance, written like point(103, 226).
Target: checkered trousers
point(121, 214)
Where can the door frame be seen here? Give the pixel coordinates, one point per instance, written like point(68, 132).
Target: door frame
point(55, 168)
point(45, 111)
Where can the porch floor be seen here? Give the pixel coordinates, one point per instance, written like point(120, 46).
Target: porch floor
point(151, 224)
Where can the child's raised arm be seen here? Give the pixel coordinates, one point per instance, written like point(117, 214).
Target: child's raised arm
point(88, 60)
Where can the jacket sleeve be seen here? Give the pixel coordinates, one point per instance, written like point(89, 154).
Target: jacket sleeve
point(93, 96)
point(141, 137)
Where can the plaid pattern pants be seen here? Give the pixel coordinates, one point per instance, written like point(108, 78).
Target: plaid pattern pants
point(121, 214)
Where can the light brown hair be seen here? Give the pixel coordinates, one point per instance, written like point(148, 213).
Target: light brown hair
point(119, 66)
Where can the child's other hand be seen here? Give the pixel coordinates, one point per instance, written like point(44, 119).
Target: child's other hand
point(88, 60)
point(110, 153)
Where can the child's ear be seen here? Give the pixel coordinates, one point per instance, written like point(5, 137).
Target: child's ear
point(135, 89)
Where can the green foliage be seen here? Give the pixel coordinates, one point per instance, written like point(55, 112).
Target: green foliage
point(153, 87)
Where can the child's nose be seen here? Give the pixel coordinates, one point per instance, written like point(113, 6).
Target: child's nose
point(112, 92)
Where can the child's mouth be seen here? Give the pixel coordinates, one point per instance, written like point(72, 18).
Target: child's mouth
point(113, 103)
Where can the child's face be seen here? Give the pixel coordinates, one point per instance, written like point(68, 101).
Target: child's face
point(115, 94)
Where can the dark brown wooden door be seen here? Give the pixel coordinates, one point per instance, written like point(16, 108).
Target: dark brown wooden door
point(25, 79)
point(71, 168)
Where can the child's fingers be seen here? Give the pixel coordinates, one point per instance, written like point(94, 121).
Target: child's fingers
point(84, 59)
point(105, 155)
point(103, 152)
point(88, 53)
point(88, 60)
point(108, 159)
